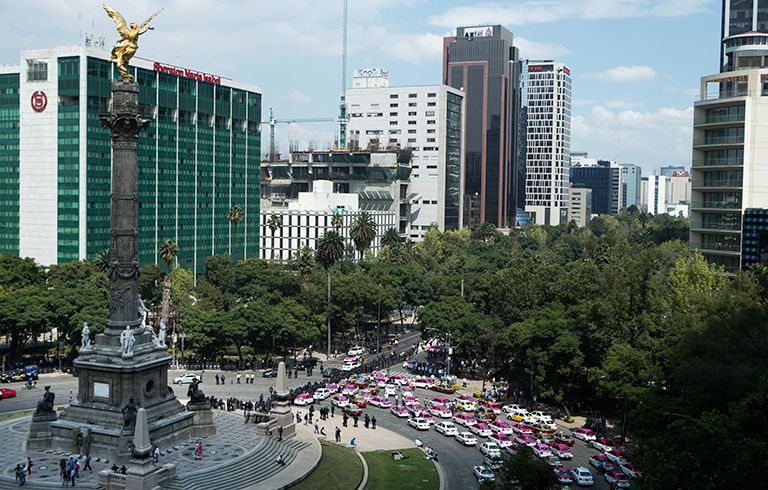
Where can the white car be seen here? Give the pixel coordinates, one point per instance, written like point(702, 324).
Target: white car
point(380, 401)
point(483, 473)
point(481, 430)
point(582, 476)
point(350, 365)
point(419, 423)
point(513, 408)
point(446, 428)
point(356, 351)
point(321, 394)
point(541, 416)
point(442, 412)
point(466, 439)
point(390, 390)
point(422, 383)
point(186, 378)
point(489, 448)
point(340, 401)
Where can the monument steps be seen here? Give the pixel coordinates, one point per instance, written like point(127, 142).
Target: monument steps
point(252, 468)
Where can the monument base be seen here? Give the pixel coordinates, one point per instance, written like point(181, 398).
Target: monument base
point(202, 422)
point(41, 431)
point(283, 417)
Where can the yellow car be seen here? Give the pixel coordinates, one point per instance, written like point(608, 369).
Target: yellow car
point(467, 406)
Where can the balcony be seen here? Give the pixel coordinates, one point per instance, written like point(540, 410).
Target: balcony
point(722, 94)
point(721, 226)
point(719, 141)
point(718, 162)
point(727, 183)
point(717, 247)
point(716, 204)
point(721, 119)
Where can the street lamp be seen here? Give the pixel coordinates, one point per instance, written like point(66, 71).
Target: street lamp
point(378, 322)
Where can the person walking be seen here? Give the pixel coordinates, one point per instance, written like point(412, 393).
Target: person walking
point(217, 378)
point(87, 463)
point(280, 433)
point(333, 408)
point(322, 431)
point(366, 420)
point(373, 422)
point(338, 435)
point(156, 455)
point(21, 475)
point(317, 428)
point(29, 465)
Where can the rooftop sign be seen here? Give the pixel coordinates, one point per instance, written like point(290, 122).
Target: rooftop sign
point(187, 73)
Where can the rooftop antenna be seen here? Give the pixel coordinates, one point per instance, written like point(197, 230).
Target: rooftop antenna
point(343, 120)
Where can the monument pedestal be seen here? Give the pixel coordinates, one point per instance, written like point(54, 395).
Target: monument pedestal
point(281, 410)
point(40, 432)
point(202, 422)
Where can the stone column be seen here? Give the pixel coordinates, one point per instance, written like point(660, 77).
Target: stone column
point(281, 411)
point(125, 123)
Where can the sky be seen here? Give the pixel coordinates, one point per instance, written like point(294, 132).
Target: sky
point(635, 64)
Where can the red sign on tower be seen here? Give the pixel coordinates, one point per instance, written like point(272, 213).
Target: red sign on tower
point(39, 101)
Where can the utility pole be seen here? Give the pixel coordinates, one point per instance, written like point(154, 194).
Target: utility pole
point(378, 323)
point(462, 288)
point(329, 316)
point(448, 337)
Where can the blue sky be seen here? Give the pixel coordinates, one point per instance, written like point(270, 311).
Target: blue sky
point(635, 63)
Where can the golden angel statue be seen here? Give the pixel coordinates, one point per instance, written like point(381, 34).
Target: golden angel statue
point(129, 44)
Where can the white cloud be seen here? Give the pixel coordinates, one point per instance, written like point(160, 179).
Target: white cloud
point(533, 50)
point(298, 96)
point(416, 48)
point(646, 138)
point(625, 74)
point(542, 11)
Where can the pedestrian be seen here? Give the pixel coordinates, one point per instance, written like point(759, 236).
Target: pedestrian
point(222, 379)
point(87, 463)
point(18, 472)
point(298, 417)
point(333, 408)
point(322, 431)
point(280, 433)
point(306, 419)
point(338, 435)
point(366, 420)
point(317, 428)
point(280, 460)
point(352, 442)
point(217, 378)
point(29, 465)
point(199, 450)
point(238, 378)
point(156, 455)
point(373, 422)
point(355, 418)
point(22, 476)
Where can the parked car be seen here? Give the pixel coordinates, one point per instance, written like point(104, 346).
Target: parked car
point(359, 400)
point(582, 476)
point(400, 412)
point(601, 462)
point(502, 427)
point(618, 456)
point(525, 440)
point(352, 410)
point(186, 378)
point(415, 408)
point(618, 478)
point(381, 402)
point(340, 401)
point(562, 451)
point(541, 450)
point(602, 444)
point(522, 429)
point(490, 448)
point(465, 419)
point(441, 411)
point(502, 440)
point(422, 382)
point(349, 389)
point(331, 372)
point(321, 394)
point(542, 416)
point(446, 428)
point(553, 461)
point(303, 399)
point(7, 393)
point(517, 414)
point(563, 475)
point(269, 373)
point(357, 350)
point(466, 439)
point(390, 390)
point(631, 470)
point(584, 434)
point(483, 474)
point(418, 423)
point(480, 429)
point(493, 462)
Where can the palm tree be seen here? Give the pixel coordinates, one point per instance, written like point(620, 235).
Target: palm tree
point(330, 250)
point(102, 260)
point(363, 232)
point(275, 223)
point(304, 262)
point(168, 252)
point(235, 215)
point(337, 221)
point(391, 237)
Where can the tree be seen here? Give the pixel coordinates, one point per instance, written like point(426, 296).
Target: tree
point(485, 232)
point(525, 471)
point(235, 215)
point(304, 263)
point(168, 252)
point(102, 260)
point(330, 250)
point(337, 220)
point(363, 232)
point(151, 285)
point(275, 223)
point(391, 238)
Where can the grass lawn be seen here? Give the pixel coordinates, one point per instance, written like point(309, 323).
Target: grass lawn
point(339, 468)
point(15, 415)
point(412, 473)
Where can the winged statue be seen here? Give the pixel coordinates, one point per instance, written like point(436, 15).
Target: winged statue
point(127, 46)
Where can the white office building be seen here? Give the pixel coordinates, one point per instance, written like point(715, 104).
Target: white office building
point(653, 190)
point(581, 206)
point(427, 119)
point(307, 218)
point(548, 142)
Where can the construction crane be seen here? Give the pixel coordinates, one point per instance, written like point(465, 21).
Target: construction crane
point(343, 119)
point(274, 122)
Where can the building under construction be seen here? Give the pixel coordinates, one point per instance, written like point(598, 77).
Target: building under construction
point(381, 179)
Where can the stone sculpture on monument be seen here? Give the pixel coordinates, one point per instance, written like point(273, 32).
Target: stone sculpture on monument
point(85, 337)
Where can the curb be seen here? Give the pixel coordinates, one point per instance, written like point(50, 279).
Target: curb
point(440, 475)
point(364, 481)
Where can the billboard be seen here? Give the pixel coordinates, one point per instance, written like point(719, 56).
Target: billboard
point(473, 32)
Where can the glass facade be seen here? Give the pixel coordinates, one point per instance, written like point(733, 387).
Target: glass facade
point(68, 165)
point(453, 161)
point(9, 163)
point(755, 245)
point(740, 16)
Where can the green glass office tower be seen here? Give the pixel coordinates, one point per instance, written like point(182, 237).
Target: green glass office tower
point(199, 157)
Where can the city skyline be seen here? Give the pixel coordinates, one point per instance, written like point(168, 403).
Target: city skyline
point(625, 95)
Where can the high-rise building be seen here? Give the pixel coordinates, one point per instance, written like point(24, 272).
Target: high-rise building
point(630, 177)
point(580, 210)
point(484, 64)
point(603, 177)
point(744, 30)
point(730, 141)
point(654, 191)
point(679, 188)
point(199, 157)
point(547, 92)
point(668, 170)
point(428, 120)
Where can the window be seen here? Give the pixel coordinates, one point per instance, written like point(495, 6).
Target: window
point(411, 131)
point(430, 114)
point(411, 104)
point(393, 114)
point(37, 70)
point(411, 96)
point(431, 104)
point(431, 122)
point(412, 113)
point(393, 96)
point(430, 131)
point(392, 105)
point(412, 122)
point(411, 140)
point(431, 94)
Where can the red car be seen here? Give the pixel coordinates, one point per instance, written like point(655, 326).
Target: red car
point(7, 393)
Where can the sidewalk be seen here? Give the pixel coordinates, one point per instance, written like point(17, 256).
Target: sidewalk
point(365, 439)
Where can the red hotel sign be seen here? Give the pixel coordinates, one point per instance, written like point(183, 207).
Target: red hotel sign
point(39, 101)
point(186, 72)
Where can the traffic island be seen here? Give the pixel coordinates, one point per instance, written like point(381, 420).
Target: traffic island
point(402, 468)
point(339, 468)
